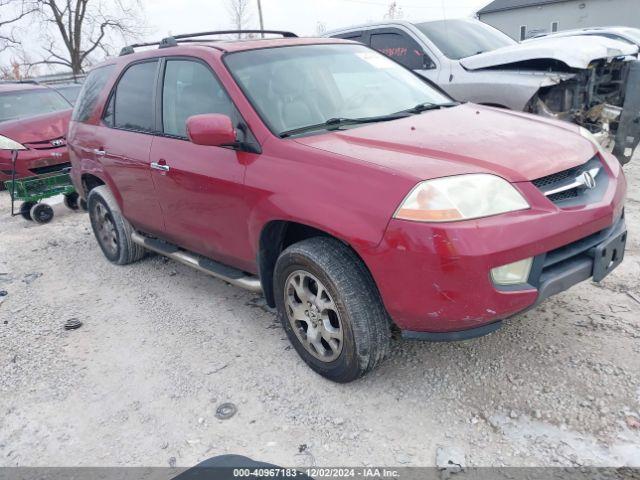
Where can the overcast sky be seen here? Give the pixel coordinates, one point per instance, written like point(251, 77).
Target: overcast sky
point(300, 16)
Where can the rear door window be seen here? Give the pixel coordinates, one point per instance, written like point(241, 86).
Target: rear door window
point(132, 103)
point(93, 85)
point(402, 48)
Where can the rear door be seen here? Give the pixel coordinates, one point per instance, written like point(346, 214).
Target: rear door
point(201, 187)
point(124, 140)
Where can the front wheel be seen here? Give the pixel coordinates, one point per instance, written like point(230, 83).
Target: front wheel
point(330, 309)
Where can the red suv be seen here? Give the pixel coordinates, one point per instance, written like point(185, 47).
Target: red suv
point(37, 117)
point(354, 194)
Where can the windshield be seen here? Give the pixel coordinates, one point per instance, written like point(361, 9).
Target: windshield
point(26, 103)
point(458, 39)
point(70, 92)
point(300, 86)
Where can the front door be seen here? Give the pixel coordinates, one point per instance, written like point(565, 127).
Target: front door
point(200, 188)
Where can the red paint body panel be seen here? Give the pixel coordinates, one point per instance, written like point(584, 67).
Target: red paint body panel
point(432, 277)
point(436, 278)
point(35, 133)
point(202, 199)
point(465, 139)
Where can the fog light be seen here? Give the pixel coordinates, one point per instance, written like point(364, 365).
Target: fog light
point(513, 273)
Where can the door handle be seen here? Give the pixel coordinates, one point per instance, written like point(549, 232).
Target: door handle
point(100, 153)
point(157, 166)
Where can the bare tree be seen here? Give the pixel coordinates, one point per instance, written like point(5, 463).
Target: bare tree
point(240, 13)
point(19, 67)
point(84, 28)
point(11, 11)
point(321, 29)
point(394, 12)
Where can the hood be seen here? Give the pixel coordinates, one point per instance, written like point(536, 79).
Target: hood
point(464, 139)
point(575, 52)
point(39, 128)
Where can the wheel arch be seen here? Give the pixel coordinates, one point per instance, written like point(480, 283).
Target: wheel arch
point(89, 182)
point(276, 236)
point(92, 179)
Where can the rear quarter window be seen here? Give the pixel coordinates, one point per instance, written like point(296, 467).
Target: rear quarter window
point(88, 97)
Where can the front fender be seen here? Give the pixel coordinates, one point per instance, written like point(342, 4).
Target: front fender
point(511, 89)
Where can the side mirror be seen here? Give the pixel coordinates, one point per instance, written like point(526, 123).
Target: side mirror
point(212, 129)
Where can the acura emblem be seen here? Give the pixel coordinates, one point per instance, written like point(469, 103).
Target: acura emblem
point(588, 180)
point(57, 143)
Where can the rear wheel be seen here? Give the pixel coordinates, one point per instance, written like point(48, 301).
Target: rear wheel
point(25, 210)
point(330, 309)
point(111, 229)
point(41, 213)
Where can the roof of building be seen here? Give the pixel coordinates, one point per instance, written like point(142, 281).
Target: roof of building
point(501, 5)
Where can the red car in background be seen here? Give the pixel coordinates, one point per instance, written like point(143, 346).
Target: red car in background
point(37, 117)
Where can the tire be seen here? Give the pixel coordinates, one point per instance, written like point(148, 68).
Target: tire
point(350, 308)
point(112, 230)
point(83, 205)
point(71, 201)
point(41, 213)
point(25, 210)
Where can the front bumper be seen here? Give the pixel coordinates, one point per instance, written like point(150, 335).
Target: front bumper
point(33, 162)
point(553, 272)
point(434, 279)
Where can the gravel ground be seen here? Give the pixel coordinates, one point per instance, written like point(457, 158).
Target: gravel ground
point(162, 346)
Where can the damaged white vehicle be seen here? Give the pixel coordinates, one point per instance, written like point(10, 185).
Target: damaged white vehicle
point(591, 81)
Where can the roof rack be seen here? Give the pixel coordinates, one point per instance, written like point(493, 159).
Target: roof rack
point(173, 40)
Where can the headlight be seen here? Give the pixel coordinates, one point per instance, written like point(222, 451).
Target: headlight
point(461, 197)
point(8, 144)
point(591, 137)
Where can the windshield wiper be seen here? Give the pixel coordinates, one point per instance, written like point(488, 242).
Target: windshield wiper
point(337, 122)
point(423, 107)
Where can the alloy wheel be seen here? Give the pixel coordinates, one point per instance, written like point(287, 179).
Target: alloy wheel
point(313, 316)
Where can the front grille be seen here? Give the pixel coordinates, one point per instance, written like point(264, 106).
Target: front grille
point(50, 168)
point(566, 195)
point(558, 178)
point(558, 188)
point(47, 144)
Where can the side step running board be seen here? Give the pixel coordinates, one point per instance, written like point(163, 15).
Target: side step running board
point(205, 265)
